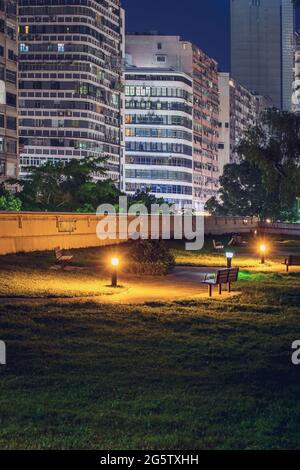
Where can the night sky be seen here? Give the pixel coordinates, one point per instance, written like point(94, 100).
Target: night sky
point(204, 22)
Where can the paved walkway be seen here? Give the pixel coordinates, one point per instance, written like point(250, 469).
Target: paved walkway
point(183, 283)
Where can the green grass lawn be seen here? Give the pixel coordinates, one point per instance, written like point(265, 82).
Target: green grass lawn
point(186, 375)
point(35, 275)
point(190, 374)
point(247, 258)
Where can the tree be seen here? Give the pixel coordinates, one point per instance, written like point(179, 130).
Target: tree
point(8, 201)
point(93, 194)
point(42, 189)
point(242, 192)
point(146, 198)
point(273, 145)
point(266, 182)
point(67, 186)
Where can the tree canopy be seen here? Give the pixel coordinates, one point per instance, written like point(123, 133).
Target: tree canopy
point(73, 187)
point(67, 186)
point(266, 181)
point(8, 201)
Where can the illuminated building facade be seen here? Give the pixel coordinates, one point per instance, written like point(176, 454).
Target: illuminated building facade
point(146, 51)
point(239, 110)
point(70, 81)
point(159, 135)
point(8, 90)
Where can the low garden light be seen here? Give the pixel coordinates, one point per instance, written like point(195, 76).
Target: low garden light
point(229, 255)
point(114, 274)
point(263, 250)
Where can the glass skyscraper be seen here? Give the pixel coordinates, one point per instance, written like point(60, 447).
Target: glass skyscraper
point(262, 48)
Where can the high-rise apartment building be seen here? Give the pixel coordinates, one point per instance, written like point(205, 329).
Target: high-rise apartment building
point(172, 53)
point(70, 81)
point(262, 45)
point(159, 134)
point(296, 85)
point(8, 90)
point(239, 110)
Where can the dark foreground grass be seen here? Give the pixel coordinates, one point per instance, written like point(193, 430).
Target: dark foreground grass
point(187, 375)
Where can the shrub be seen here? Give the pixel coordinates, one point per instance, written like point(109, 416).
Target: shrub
point(9, 202)
point(151, 257)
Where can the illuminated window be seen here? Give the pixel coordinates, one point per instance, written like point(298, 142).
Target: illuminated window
point(24, 47)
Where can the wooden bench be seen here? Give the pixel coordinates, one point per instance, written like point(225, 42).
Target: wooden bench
point(223, 276)
point(62, 259)
point(237, 240)
point(218, 245)
point(291, 261)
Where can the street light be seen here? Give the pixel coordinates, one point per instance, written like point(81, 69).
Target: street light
point(114, 274)
point(229, 256)
point(263, 249)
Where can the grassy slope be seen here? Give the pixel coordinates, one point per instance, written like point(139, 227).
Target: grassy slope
point(32, 275)
point(180, 376)
point(185, 375)
point(247, 258)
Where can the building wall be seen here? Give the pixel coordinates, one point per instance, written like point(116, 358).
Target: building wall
point(206, 128)
point(224, 120)
point(159, 134)
point(154, 50)
point(8, 90)
point(262, 48)
point(288, 47)
point(296, 84)
point(239, 110)
point(26, 232)
point(70, 81)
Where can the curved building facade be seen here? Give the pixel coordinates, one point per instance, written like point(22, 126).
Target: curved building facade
point(173, 53)
point(159, 134)
point(70, 81)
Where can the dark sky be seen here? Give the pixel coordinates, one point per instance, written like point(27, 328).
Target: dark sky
point(204, 22)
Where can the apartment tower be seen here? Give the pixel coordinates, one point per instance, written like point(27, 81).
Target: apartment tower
point(172, 54)
point(8, 90)
point(239, 110)
point(70, 81)
point(159, 134)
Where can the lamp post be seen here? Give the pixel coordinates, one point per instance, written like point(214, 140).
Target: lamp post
point(114, 274)
point(229, 257)
point(263, 250)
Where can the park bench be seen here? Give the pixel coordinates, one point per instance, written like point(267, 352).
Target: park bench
point(61, 259)
point(237, 240)
point(291, 261)
point(218, 245)
point(222, 276)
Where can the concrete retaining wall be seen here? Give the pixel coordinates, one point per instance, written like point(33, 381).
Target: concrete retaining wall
point(281, 229)
point(223, 225)
point(38, 231)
